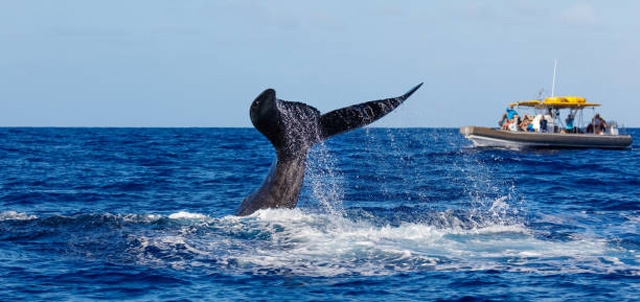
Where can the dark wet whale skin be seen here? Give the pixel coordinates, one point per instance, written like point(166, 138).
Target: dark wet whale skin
point(293, 128)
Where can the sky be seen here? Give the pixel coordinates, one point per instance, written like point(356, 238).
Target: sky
point(161, 63)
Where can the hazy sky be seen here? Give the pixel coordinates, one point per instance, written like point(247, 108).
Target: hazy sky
point(201, 63)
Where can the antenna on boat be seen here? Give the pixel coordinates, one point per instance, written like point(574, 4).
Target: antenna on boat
point(553, 85)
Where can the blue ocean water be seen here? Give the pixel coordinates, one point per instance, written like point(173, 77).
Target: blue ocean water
point(385, 214)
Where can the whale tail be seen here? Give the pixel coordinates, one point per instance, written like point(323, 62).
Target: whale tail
point(293, 126)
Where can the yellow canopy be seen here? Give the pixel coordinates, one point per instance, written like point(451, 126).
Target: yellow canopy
point(557, 102)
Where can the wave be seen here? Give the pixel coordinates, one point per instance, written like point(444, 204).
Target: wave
point(314, 244)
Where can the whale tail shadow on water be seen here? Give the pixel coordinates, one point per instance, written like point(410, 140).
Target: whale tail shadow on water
point(293, 128)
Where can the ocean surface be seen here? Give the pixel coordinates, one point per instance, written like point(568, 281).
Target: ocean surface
point(146, 214)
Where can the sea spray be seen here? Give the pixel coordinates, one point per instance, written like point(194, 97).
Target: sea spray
point(324, 182)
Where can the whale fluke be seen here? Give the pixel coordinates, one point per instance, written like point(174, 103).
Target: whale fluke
point(293, 128)
point(360, 115)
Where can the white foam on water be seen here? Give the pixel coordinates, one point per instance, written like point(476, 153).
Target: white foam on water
point(140, 218)
point(293, 242)
point(13, 215)
point(188, 216)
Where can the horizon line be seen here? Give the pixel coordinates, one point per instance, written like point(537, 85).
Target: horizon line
point(206, 127)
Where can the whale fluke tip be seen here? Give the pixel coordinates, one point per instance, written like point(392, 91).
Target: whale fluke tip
point(410, 92)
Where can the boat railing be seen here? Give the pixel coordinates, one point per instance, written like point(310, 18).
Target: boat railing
point(612, 129)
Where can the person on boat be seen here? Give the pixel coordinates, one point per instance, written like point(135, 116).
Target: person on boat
point(543, 125)
point(598, 123)
point(535, 124)
point(507, 118)
point(511, 112)
point(529, 126)
point(514, 124)
point(526, 124)
point(503, 122)
point(522, 125)
point(548, 121)
point(569, 128)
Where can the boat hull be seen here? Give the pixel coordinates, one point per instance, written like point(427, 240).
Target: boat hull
point(487, 137)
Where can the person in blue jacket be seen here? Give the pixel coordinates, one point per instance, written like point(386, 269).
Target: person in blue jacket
point(507, 118)
point(511, 112)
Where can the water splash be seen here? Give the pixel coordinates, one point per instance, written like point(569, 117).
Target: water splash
point(324, 180)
